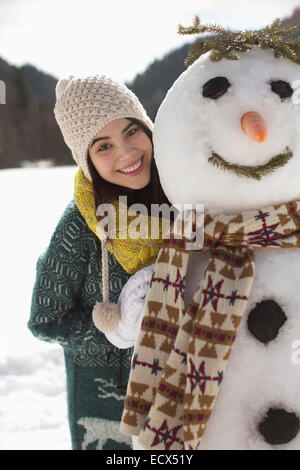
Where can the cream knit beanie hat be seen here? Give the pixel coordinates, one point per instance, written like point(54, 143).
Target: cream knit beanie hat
point(85, 105)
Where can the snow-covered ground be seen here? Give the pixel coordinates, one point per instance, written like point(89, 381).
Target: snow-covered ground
point(33, 411)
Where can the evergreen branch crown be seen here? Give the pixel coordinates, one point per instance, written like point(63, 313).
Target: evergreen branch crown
point(225, 43)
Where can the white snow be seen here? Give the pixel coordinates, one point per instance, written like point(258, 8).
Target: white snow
point(33, 406)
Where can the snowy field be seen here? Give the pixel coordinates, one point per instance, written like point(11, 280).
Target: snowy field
point(33, 410)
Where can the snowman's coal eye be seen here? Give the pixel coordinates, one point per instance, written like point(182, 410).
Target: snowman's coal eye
point(282, 88)
point(215, 87)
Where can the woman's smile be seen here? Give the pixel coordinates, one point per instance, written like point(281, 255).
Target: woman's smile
point(134, 169)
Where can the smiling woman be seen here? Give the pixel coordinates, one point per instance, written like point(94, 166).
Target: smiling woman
point(110, 136)
point(120, 162)
point(121, 153)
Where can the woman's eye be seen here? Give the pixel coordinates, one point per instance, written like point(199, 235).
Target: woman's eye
point(215, 87)
point(132, 131)
point(282, 89)
point(103, 147)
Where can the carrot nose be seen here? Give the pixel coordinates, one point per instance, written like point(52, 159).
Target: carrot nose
point(255, 126)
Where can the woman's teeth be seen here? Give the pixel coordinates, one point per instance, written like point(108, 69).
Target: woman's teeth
point(132, 168)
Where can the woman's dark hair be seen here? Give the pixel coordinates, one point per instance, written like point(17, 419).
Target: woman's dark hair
point(105, 191)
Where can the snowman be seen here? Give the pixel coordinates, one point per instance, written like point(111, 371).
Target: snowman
point(226, 136)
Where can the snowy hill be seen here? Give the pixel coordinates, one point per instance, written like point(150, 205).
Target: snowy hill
point(33, 406)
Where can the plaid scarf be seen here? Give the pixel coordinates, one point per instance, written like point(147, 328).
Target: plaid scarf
point(181, 356)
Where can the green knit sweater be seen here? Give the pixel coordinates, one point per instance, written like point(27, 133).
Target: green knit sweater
point(68, 284)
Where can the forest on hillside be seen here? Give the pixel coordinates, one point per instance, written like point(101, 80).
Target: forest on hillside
point(28, 129)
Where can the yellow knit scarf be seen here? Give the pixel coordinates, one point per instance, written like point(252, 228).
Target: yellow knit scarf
point(132, 254)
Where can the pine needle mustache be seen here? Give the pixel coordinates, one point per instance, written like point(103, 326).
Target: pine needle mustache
point(255, 172)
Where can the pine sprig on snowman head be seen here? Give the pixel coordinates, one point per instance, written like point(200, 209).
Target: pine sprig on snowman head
point(227, 44)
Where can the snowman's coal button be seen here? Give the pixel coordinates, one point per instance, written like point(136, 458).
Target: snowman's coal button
point(279, 426)
point(265, 320)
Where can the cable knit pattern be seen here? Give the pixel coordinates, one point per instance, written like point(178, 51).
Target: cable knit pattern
point(70, 269)
point(67, 285)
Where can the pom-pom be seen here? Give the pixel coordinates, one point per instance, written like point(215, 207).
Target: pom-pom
point(106, 316)
point(61, 86)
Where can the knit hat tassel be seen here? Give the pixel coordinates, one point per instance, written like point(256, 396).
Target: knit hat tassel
point(106, 316)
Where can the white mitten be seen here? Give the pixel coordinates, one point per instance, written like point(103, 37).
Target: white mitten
point(131, 303)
